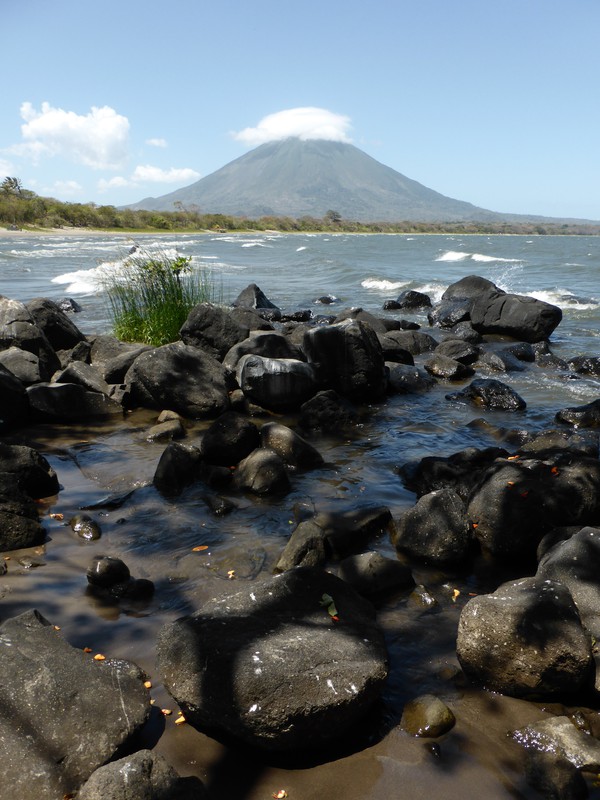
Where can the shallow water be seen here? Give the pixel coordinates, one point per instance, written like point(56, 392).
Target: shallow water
point(155, 536)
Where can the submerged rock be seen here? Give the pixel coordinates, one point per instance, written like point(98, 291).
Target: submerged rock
point(427, 715)
point(292, 448)
point(489, 393)
point(262, 472)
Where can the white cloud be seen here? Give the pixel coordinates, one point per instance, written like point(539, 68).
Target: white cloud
point(66, 188)
point(303, 123)
point(157, 142)
point(98, 139)
point(148, 174)
point(113, 183)
point(145, 173)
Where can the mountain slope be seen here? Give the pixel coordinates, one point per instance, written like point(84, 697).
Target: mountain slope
point(297, 178)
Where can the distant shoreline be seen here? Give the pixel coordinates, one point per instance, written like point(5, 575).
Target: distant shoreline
point(96, 232)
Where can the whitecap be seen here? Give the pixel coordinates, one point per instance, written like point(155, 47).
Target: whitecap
point(82, 281)
point(565, 299)
point(299, 249)
point(454, 255)
point(382, 285)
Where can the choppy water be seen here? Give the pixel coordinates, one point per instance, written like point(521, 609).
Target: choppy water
point(155, 536)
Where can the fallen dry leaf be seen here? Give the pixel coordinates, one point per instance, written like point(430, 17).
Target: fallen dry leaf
point(280, 794)
point(99, 657)
point(87, 649)
point(166, 711)
point(199, 548)
point(231, 574)
point(180, 720)
point(57, 516)
point(147, 684)
point(455, 594)
point(56, 627)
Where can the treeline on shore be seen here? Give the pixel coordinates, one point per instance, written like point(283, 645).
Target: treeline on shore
point(22, 208)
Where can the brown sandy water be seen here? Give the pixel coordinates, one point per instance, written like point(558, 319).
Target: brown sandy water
point(155, 536)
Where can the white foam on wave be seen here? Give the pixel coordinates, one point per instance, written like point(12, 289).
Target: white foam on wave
point(454, 255)
point(87, 281)
point(90, 281)
point(255, 243)
point(299, 249)
point(565, 299)
point(382, 285)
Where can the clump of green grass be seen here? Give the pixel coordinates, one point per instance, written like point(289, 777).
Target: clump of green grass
point(151, 297)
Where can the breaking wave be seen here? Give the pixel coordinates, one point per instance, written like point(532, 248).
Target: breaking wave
point(454, 255)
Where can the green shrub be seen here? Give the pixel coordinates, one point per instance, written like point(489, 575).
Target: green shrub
point(151, 297)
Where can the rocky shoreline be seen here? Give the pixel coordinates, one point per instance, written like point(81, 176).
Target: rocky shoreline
point(297, 661)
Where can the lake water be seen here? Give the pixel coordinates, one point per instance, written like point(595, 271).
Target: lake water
point(155, 536)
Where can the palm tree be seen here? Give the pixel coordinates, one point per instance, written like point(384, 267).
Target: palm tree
point(11, 186)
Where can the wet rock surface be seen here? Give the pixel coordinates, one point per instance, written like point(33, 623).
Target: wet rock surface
point(141, 776)
point(271, 667)
point(48, 689)
point(526, 638)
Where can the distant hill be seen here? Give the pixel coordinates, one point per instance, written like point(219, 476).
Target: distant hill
point(298, 178)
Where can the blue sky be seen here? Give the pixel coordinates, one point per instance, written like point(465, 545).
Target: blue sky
point(495, 103)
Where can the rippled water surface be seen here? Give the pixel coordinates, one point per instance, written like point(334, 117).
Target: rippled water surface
point(110, 467)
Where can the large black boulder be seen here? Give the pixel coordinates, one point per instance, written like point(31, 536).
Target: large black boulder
point(18, 329)
point(436, 529)
point(60, 331)
point(349, 357)
point(271, 667)
point(268, 344)
point(33, 473)
point(575, 562)
point(518, 316)
point(518, 500)
point(525, 639)
point(212, 329)
point(67, 402)
point(181, 378)
point(276, 383)
point(470, 288)
point(14, 406)
point(62, 713)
